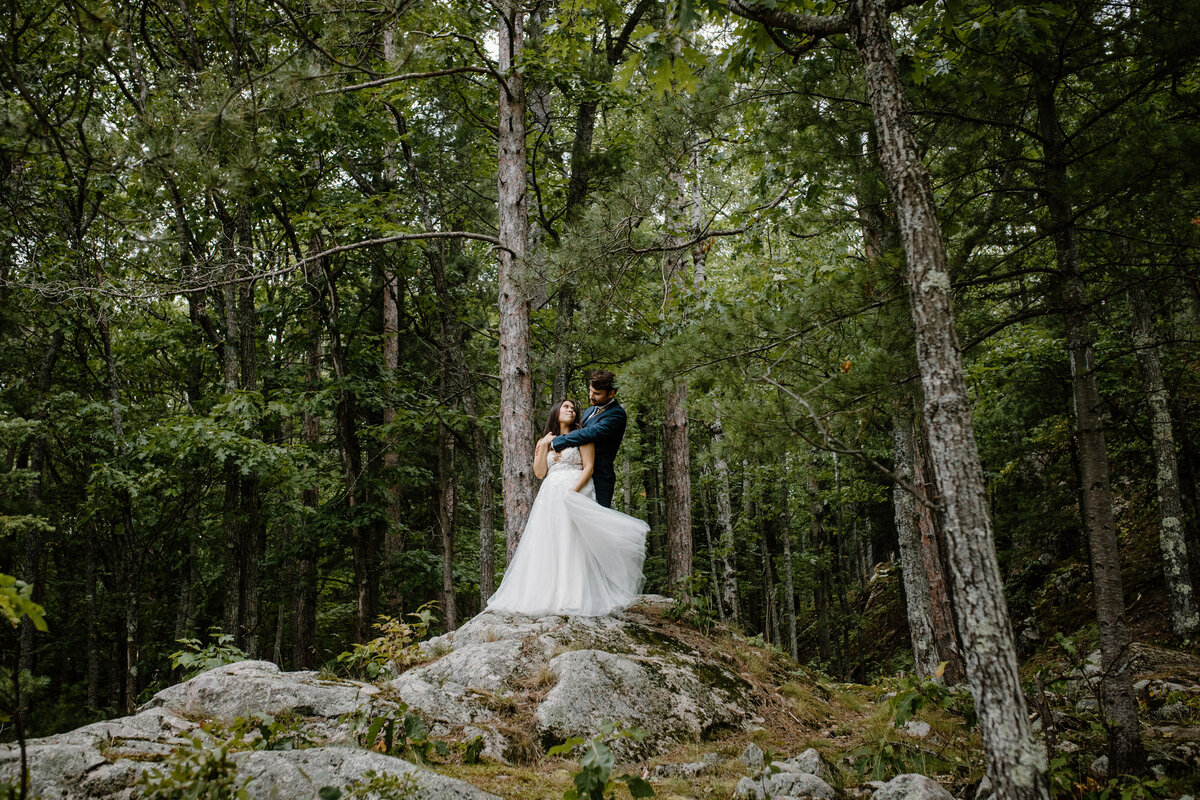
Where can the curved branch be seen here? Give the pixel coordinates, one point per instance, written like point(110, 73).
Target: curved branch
point(275, 273)
point(406, 76)
point(809, 24)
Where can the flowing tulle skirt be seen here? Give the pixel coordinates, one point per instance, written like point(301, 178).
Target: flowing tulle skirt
point(576, 557)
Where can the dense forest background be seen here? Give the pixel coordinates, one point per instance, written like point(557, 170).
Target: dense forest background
point(250, 263)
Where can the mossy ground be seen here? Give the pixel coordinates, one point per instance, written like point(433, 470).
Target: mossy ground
point(852, 725)
point(797, 708)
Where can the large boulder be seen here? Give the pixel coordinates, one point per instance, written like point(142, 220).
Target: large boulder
point(106, 759)
point(781, 785)
point(517, 685)
point(910, 786)
point(508, 675)
point(248, 688)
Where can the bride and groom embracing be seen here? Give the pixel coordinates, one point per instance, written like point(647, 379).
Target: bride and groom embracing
point(577, 555)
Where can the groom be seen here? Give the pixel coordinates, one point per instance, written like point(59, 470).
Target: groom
point(604, 425)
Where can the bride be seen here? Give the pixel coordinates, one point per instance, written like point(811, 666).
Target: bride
point(576, 557)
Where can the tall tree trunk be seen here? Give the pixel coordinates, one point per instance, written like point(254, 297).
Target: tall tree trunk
point(129, 566)
point(678, 478)
point(185, 612)
point(1016, 764)
point(304, 647)
point(785, 533)
point(516, 380)
point(487, 508)
point(1125, 751)
point(649, 472)
point(252, 526)
point(446, 512)
point(1171, 539)
point(394, 538)
point(917, 591)
point(131, 653)
point(231, 513)
point(771, 596)
point(91, 616)
point(822, 584)
point(727, 547)
point(933, 546)
point(32, 550)
point(676, 446)
point(627, 485)
point(706, 523)
point(365, 551)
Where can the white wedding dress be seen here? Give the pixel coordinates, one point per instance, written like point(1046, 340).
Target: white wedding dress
point(576, 557)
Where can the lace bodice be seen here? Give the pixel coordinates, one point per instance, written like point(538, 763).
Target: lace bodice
point(568, 460)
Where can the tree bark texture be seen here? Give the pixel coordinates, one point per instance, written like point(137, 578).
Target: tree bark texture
point(394, 539)
point(487, 507)
point(678, 479)
point(933, 549)
point(304, 648)
point(447, 506)
point(727, 547)
point(819, 536)
point(516, 380)
point(1171, 535)
point(649, 473)
point(785, 533)
point(917, 592)
point(677, 476)
point(1016, 764)
point(1125, 750)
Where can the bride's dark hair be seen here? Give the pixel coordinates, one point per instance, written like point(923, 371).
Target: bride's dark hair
point(552, 422)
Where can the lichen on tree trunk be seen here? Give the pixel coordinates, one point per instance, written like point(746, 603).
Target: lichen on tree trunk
point(1016, 764)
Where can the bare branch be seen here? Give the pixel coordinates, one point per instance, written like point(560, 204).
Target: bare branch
point(65, 289)
point(838, 446)
point(407, 76)
point(808, 24)
point(710, 234)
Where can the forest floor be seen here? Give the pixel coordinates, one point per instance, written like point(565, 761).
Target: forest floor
point(851, 725)
point(896, 723)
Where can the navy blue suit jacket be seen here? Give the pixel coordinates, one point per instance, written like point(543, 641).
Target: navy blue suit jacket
point(605, 430)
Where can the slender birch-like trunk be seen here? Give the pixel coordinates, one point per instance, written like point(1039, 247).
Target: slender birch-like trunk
point(945, 629)
point(1171, 539)
point(447, 506)
point(727, 546)
point(917, 592)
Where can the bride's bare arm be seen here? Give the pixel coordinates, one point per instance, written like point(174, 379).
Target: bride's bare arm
point(539, 456)
point(588, 453)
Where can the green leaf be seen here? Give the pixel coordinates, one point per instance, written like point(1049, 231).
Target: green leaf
point(565, 747)
point(16, 601)
point(637, 786)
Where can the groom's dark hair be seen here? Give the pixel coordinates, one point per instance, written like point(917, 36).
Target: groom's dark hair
point(603, 379)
